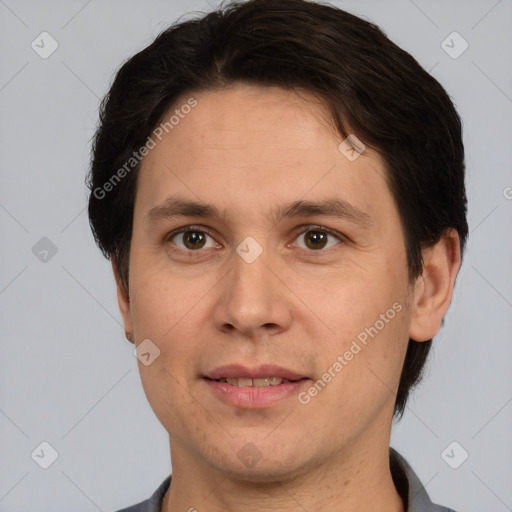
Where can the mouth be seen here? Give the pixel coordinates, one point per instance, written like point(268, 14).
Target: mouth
point(256, 383)
point(258, 388)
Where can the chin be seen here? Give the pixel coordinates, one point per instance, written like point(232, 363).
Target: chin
point(268, 465)
point(265, 473)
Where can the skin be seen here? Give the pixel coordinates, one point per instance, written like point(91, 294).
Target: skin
point(246, 149)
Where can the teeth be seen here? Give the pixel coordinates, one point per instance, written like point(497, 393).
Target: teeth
point(256, 383)
point(260, 383)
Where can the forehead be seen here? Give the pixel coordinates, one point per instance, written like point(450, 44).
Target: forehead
point(255, 145)
point(253, 109)
point(246, 119)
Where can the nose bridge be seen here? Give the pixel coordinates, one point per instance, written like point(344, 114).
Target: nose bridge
point(251, 297)
point(251, 286)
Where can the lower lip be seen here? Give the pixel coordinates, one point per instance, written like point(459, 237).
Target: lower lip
point(252, 397)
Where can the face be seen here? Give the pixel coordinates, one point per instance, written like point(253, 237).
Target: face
point(282, 310)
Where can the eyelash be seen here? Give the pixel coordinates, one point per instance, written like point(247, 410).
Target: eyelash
point(305, 229)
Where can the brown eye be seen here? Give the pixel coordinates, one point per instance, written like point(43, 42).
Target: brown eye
point(191, 240)
point(317, 239)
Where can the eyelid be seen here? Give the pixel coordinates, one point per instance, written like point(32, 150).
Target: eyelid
point(184, 229)
point(169, 236)
point(312, 227)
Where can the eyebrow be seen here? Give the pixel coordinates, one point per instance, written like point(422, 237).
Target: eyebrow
point(176, 206)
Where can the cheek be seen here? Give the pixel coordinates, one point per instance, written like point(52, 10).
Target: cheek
point(352, 298)
point(163, 312)
point(366, 363)
point(368, 318)
point(160, 302)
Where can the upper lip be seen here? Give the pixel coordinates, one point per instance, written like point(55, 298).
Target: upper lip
point(234, 371)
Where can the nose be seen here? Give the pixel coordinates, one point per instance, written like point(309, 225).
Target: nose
point(252, 299)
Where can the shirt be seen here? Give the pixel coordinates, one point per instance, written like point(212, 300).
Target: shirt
point(407, 484)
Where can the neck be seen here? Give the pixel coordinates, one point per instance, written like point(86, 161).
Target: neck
point(351, 481)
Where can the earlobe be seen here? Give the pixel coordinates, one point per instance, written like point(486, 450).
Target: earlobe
point(123, 299)
point(433, 290)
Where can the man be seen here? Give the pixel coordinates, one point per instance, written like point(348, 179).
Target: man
point(281, 191)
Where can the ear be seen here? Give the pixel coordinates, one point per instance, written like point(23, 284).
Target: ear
point(123, 299)
point(433, 289)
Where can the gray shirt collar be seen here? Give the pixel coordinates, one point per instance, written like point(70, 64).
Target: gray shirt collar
point(410, 487)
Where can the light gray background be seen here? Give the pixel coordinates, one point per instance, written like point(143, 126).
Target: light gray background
point(68, 376)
